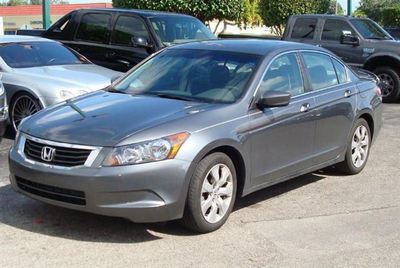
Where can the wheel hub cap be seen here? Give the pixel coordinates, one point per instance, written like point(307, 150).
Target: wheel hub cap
point(216, 193)
point(360, 146)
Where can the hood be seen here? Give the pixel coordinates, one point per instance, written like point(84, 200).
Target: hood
point(105, 119)
point(87, 77)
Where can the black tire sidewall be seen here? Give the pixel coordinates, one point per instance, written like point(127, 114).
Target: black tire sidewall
point(193, 208)
point(394, 96)
point(351, 169)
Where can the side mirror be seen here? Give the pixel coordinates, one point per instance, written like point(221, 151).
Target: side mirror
point(138, 41)
point(274, 99)
point(349, 39)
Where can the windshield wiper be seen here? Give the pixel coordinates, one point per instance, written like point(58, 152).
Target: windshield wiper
point(169, 96)
point(113, 90)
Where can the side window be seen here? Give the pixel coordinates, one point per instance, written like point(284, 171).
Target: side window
point(283, 75)
point(334, 29)
point(304, 28)
point(340, 71)
point(94, 27)
point(320, 69)
point(126, 27)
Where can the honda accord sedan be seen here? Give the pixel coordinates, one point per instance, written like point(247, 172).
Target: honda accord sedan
point(38, 72)
point(195, 126)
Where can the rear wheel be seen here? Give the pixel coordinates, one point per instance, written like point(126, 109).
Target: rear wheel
point(211, 195)
point(390, 83)
point(357, 152)
point(22, 106)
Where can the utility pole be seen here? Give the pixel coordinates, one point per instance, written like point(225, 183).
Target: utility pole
point(46, 13)
point(349, 7)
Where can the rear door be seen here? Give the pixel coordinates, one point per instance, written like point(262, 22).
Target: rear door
point(332, 31)
point(335, 98)
point(92, 36)
point(282, 138)
point(304, 30)
point(121, 54)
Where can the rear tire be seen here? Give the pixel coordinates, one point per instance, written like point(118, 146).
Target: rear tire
point(212, 193)
point(391, 81)
point(22, 105)
point(358, 149)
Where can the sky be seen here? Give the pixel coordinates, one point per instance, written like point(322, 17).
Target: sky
point(342, 2)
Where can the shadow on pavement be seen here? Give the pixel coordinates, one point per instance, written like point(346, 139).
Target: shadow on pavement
point(30, 215)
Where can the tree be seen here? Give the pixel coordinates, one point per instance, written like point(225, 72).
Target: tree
point(205, 10)
point(276, 13)
point(385, 12)
point(252, 15)
point(17, 2)
point(335, 8)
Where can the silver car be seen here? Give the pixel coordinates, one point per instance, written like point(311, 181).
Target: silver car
point(196, 125)
point(38, 72)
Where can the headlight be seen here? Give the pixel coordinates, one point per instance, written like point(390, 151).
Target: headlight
point(1, 89)
point(68, 94)
point(149, 151)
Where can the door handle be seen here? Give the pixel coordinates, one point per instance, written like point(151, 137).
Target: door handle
point(110, 54)
point(305, 107)
point(347, 93)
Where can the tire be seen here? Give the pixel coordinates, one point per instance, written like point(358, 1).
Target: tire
point(21, 106)
point(218, 209)
point(350, 166)
point(391, 79)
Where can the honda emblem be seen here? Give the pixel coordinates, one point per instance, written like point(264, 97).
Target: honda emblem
point(48, 154)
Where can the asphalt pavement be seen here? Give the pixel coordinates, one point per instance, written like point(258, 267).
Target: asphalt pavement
point(321, 219)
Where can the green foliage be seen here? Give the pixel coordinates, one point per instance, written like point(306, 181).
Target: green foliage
point(252, 15)
point(335, 8)
point(17, 2)
point(391, 16)
point(385, 12)
point(276, 13)
point(204, 10)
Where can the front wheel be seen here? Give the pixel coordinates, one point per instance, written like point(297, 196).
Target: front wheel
point(212, 194)
point(22, 105)
point(358, 148)
point(390, 81)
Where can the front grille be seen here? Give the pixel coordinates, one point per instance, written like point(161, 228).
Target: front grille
point(51, 192)
point(63, 156)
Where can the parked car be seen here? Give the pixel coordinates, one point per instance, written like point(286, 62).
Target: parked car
point(3, 110)
point(38, 72)
point(194, 126)
point(120, 38)
point(360, 42)
point(394, 31)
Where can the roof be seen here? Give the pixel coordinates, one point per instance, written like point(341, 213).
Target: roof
point(141, 12)
point(248, 46)
point(33, 10)
point(330, 16)
point(21, 38)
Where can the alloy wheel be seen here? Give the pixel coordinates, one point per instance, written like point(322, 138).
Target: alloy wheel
point(216, 193)
point(360, 146)
point(23, 107)
point(387, 84)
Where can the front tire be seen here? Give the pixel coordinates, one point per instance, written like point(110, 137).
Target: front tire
point(212, 193)
point(358, 149)
point(391, 83)
point(22, 105)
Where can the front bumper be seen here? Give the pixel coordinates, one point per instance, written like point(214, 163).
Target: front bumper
point(151, 192)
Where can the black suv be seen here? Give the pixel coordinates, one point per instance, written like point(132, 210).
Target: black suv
point(360, 42)
point(119, 39)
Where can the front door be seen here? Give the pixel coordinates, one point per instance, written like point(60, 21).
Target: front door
point(282, 138)
point(330, 39)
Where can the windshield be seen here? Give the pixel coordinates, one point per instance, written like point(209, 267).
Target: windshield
point(369, 29)
point(33, 54)
point(179, 29)
point(193, 75)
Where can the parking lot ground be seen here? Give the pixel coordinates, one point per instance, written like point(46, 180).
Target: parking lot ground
point(321, 219)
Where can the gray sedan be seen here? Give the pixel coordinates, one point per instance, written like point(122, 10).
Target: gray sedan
point(38, 72)
point(195, 126)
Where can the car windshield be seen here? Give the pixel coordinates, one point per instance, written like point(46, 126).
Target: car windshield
point(192, 75)
point(33, 54)
point(179, 29)
point(370, 30)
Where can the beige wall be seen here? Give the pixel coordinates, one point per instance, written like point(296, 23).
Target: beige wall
point(34, 22)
